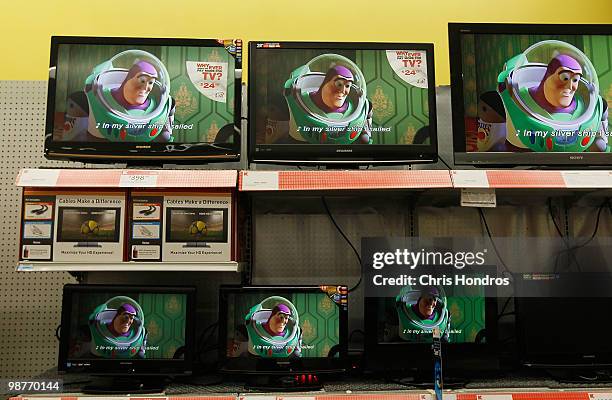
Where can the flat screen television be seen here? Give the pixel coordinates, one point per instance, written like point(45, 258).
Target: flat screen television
point(533, 95)
point(196, 225)
point(398, 331)
point(127, 332)
point(546, 303)
point(348, 103)
point(86, 224)
point(136, 99)
point(283, 330)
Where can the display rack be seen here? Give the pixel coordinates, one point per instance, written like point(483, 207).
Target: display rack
point(409, 395)
point(50, 266)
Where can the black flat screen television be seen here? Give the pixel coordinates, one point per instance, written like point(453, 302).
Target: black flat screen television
point(127, 331)
point(348, 103)
point(143, 100)
point(283, 329)
point(533, 95)
point(398, 331)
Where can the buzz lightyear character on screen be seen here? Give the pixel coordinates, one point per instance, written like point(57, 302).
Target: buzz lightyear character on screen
point(327, 102)
point(117, 329)
point(420, 310)
point(553, 87)
point(129, 99)
point(273, 329)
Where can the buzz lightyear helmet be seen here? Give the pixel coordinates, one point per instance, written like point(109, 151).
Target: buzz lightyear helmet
point(106, 344)
point(525, 72)
point(345, 126)
point(108, 118)
point(261, 343)
point(411, 326)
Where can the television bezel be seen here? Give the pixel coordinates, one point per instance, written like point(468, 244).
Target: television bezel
point(127, 367)
point(279, 366)
point(319, 154)
point(492, 159)
point(135, 152)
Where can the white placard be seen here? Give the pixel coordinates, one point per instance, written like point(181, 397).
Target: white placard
point(260, 180)
point(494, 397)
point(470, 179)
point(410, 66)
point(35, 252)
point(209, 78)
point(38, 177)
point(600, 396)
point(146, 231)
point(477, 197)
point(37, 230)
point(587, 179)
point(138, 179)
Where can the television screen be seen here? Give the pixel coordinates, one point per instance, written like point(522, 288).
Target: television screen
point(167, 99)
point(196, 225)
point(104, 326)
point(411, 316)
point(86, 224)
point(531, 95)
point(267, 329)
point(341, 102)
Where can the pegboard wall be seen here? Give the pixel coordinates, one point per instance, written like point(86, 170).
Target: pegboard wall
point(30, 303)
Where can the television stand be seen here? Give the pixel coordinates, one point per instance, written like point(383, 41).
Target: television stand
point(422, 380)
point(284, 383)
point(126, 385)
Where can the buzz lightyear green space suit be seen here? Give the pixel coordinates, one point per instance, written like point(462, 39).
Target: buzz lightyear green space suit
point(106, 341)
point(415, 327)
point(264, 341)
point(129, 99)
point(312, 118)
point(570, 120)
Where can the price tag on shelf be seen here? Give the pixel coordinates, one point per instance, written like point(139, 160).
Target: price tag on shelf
point(470, 179)
point(38, 177)
point(494, 397)
point(600, 396)
point(587, 179)
point(475, 197)
point(260, 180)
point(138, 179)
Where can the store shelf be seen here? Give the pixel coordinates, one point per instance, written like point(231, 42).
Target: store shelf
point(408, 395)
point(49, 266)
point(342, 180)
point(527, 179)
point(121, 178)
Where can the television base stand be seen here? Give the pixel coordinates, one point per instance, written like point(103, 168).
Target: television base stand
point(284, 383)
point(121, 385)
point(426, 382)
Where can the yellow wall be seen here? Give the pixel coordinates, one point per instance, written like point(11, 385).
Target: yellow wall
point(27, 26)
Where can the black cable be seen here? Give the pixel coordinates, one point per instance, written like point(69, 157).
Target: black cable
point(484, 221)
point(564, 237)
point(504, 308)
point(203, 338)
point(586, 242)
point(444, 162)
point(331, 217)
point(57, 330)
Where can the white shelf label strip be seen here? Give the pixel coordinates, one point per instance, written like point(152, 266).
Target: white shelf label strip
point(260, 180)
point(587, 179)
point(138, 179)
point(38, 177)
point(470, 179)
